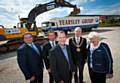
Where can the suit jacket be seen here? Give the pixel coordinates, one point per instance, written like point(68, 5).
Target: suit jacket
point(29, 61)
point(46, 49)
point(78, 57)
point(59, 65)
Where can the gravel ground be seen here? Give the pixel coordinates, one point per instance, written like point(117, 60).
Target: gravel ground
point(10, 72)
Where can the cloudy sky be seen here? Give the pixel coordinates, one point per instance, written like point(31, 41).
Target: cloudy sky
point(11, 9)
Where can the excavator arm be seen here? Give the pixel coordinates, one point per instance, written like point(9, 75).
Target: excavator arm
point(41, 8)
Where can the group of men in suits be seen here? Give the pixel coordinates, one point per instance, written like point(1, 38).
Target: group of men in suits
point(60, 59)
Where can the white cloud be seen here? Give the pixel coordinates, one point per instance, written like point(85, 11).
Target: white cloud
point(10, 10)
point(82, 8)
point(80, 2)
point(8, 22)
point(58, 12)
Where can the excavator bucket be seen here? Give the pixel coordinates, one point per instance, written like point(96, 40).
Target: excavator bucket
point(75, 11)
point(67, 4)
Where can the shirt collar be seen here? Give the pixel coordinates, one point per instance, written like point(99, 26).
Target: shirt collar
point(76, 38)
point(92, 47)
point(63, 47)
point(51, 41)
point(29, 44)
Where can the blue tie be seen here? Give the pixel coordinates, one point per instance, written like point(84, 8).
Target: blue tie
point(35, 48)
point(66, 55)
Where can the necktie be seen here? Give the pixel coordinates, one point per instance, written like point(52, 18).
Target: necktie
point(66, 55)
point(78, 41)
point(35, 48)
point(53, 44)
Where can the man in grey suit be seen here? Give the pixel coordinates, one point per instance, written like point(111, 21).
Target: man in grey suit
point(60, 61)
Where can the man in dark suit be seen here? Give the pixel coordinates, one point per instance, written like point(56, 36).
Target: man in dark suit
point(46, 48)
point(29, 57)
point(79, 53)
point(60, 61)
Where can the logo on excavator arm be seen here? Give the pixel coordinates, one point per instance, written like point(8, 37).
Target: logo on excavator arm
point(49, 7)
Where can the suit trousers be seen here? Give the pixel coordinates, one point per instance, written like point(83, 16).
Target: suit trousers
point(79, 79)
point(76, 75)
point(97, 77)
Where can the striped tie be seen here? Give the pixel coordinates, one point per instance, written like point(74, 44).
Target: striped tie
point(53, 44)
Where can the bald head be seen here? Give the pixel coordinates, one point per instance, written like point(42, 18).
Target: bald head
point(77, 28)
point(78, 31)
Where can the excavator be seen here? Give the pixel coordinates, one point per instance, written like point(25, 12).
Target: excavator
point(14, 35)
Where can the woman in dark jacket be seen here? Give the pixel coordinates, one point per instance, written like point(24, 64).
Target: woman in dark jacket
point(100, 60)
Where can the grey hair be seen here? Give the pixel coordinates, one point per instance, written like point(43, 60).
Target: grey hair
point(94, 34)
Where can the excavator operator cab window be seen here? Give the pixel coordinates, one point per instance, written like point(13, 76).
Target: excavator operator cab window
point(22, 25)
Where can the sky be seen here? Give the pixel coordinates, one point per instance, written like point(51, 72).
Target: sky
point(10, 10)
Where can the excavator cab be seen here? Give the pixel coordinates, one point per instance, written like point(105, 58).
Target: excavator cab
point(23, 24)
